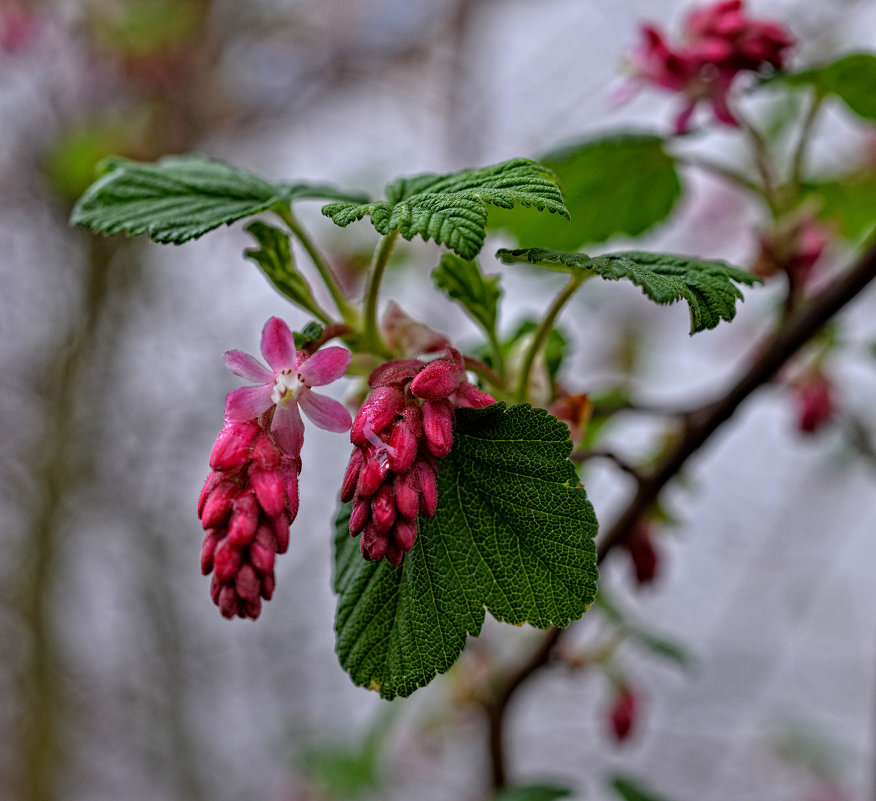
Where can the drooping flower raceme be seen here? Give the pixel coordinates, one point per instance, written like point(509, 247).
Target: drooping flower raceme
point(400, 433)
point(287, 386)
point(251, 496)
point(719, 42)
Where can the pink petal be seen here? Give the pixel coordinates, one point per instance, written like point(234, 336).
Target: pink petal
point(325, 412)
point(247, 403)
point(278, 346)
point(245, 366)
point(288, 429)
point(325, 366)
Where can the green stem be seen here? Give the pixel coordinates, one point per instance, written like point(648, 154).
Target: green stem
point(544, 329)
point(764, 165)
point(727, 173)
point(802, 144)
point(496, 349)
point(347, 311)
point(372, 338)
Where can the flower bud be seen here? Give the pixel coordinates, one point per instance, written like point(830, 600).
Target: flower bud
point(622, 715)
point(383, 509)
point(351, 477)
point(395, 372)
point(402, 448)
point(360, 515)
point(233, 444)
point(218, 504)
point(468, 395)
point(438, 427)
point(436, 380)
point(378, 411)
point(407, 495)
point(643, 554)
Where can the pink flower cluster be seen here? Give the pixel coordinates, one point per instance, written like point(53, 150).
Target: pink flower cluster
point(719, 42)
point(400, 432)
point(251, 496)
point(246, 507)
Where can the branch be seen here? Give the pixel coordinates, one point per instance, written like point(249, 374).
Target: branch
point(701, 424)
point(773, 355)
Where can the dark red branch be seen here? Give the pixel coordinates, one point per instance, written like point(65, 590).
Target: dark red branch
point(701, 424)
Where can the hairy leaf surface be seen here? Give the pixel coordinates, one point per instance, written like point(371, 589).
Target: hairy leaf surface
point(179, 198)
point(513, 532)
point(709, 287)
point(464, 282)
point(452, 209)
point(620, 184)
point(851, 78)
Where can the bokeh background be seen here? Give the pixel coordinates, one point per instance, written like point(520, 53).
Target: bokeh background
point(118, 678)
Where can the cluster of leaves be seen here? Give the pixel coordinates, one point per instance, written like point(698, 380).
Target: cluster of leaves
point(513, 533)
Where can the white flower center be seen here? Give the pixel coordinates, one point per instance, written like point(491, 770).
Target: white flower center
point(288, 385)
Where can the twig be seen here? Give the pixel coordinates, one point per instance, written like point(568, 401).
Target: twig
point(702, 424)
point(583, 456)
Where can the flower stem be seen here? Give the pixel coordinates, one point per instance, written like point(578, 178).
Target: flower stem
point(544, 329)
point(348, 312)
point(372, 338)
point(799, 157)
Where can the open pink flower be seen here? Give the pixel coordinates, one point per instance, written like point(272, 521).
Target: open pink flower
point(286, 386)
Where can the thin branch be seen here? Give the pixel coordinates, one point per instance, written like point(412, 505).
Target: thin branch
point(623, 464)
point(702, 424)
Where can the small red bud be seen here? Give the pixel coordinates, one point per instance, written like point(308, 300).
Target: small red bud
point(218, 505)
point(244, 519)
point(622, 715)
point(232, 446)
point(395, 372)
point(469, 395)
point(436, 380)
point(360, 515)
point(378, 411)
point(383, 509)
point(402, 448)
point(407, 495)
point(268, 486)
point(226, 561)
point(438, 427)
point(351, 477)
point(208, 549)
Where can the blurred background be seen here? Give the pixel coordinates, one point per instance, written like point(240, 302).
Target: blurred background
point(119, 679)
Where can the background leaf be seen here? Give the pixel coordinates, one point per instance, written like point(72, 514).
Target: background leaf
point(621, 184)
point(513, 532)
point(179, 198)
point(274, 257)
point(452, 209)
point(631, 790)
point(847, 202)
point(851, 78)
point(464, 282)
point(707, 286)
point(534, 792)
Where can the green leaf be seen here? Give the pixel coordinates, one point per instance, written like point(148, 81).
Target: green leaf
point(534, 792)
point(452, 209)
point(851, 78)
point(620, 184)
point(631, 790)
point(179, 198)
point(274, 257)
point(847, 202)
point(709, 287)
point(513, 532)
point(310, 333)
point(464, 282)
